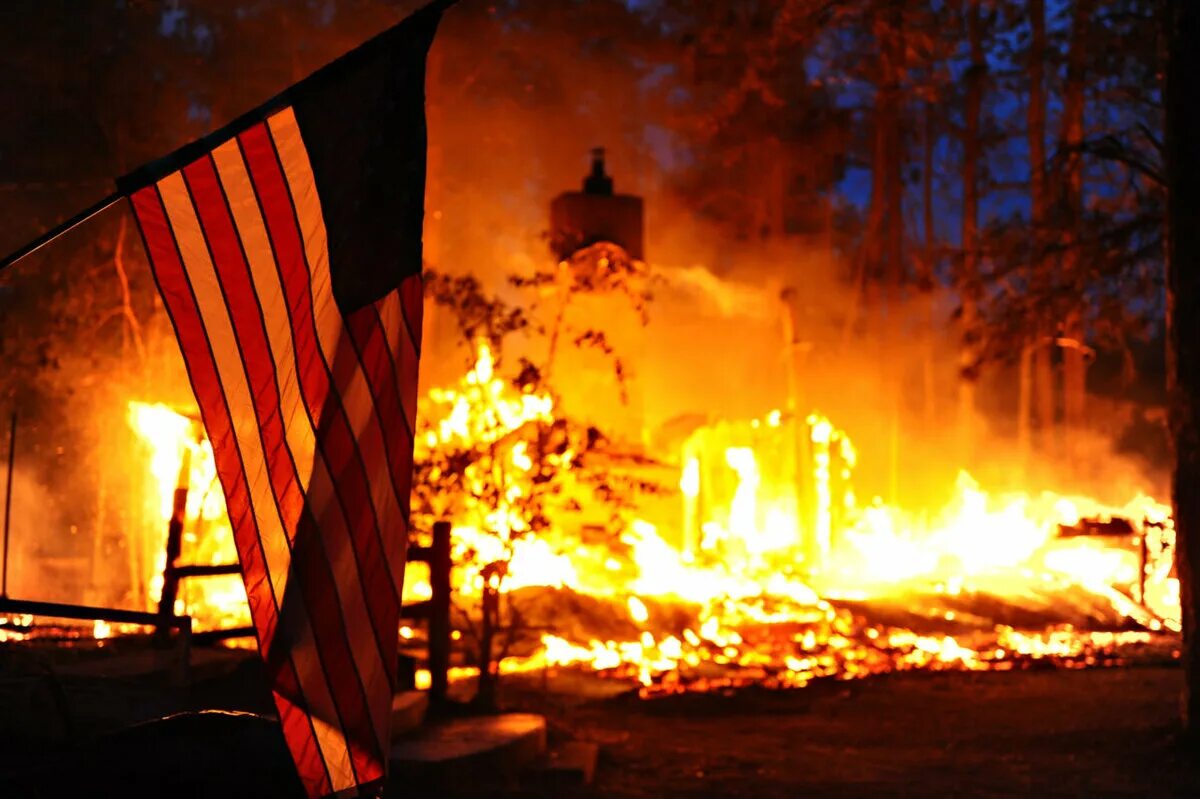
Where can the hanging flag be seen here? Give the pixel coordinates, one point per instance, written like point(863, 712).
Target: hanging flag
point(287, 249)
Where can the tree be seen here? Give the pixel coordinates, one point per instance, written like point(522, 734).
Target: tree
point(1070, 204)
point(1037, 371)
point(968, 277)
point(1182, 24)
point(498, 456)
point(763, 135)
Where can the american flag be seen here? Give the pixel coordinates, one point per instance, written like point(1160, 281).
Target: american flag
point(287, 249)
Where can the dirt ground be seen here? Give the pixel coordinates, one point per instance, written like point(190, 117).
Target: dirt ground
point(1107, 732)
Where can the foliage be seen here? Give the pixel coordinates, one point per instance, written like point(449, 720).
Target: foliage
point(496, 447)
point(494, 456)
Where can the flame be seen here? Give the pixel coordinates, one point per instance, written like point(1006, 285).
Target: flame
point(761, 572)
point(180, 457)
point(755, 580)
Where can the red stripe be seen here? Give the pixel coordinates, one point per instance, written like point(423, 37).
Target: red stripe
point(310, 566)
point(412, 301)
point(333, 437)
point(412, 305)
point(370, 340)
point(185, 315)
point(390, 380)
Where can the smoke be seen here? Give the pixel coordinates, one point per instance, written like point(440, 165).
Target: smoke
point(727, 299)
point(41, 565)
point(738, 327)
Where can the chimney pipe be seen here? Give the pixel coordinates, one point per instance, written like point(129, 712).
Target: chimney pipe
point(598, 182)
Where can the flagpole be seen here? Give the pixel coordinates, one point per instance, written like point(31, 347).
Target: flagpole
point(55, 232)
point(12, 451)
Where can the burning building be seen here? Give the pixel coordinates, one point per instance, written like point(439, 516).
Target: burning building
point(715, 549)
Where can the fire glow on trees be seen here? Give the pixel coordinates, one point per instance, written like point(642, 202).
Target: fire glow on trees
point(738, 592)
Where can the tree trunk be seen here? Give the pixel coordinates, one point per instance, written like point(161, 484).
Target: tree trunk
point(1183, 325)
point(1025, 404)
point(894, 153)
point(885, 219)
point(968, 279)
point(895, 274)
point(775, 223)
point(1043, 381)
point(1074, 362)
point(925, 279)
point(1042, 372)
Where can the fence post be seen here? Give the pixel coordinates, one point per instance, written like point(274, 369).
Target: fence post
point(170, 589)
point(439, 612)
point(183, 664)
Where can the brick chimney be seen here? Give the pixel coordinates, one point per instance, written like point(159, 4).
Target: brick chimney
point(580, 219)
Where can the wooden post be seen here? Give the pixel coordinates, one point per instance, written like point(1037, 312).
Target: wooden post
point(182, 673)
point(439, 612)
point(485, 699)
point(1143, 557)
point(170, 589)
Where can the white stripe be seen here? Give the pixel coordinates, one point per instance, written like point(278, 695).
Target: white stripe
point(219, 331)
point(391, 316)
point(272, 299)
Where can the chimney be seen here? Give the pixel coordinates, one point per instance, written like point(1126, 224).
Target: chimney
point(596, 215)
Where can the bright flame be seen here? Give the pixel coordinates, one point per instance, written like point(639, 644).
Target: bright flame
point(753, 584)
point(771, 542)
point(180, 457)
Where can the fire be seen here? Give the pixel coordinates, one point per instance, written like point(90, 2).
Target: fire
point(485, 416)
point(770, 546)
point(180, 458)
point(772, 572)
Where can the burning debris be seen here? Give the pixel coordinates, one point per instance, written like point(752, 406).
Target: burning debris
point(770, 570)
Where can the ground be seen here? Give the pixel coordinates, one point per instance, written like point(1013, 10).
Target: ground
point(1044, 733)
point(1111, 732)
